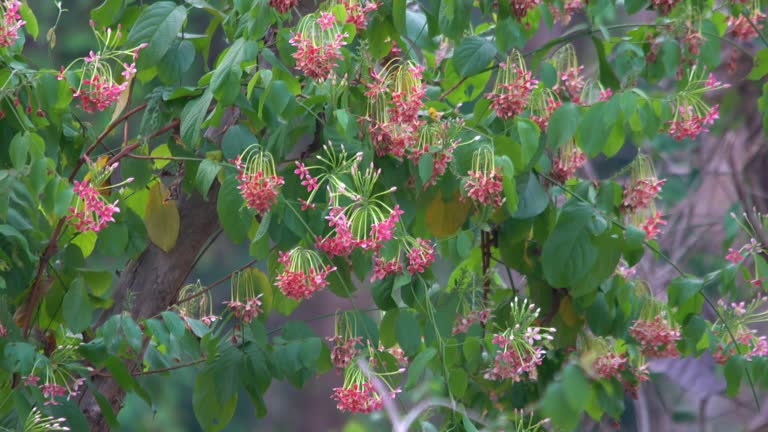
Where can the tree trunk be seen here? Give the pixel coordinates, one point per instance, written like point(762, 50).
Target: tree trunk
point(153, 281)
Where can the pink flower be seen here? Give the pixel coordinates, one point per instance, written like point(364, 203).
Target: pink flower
point(520, 8)
point(656, 338)
point(485, 188)
point(92, 212)
point(51, 391)
point(344, 351)
point(357, 398)
point(259, 185)
point(318, 46)
point(604, 95)
point(10, 23)
point(664, 6)
point(420, 256)
point(246, 311)
point(326, 20)
point(31, 380)
point(130, 70)
point(564, 167)
point(510, 96)
point(734, 256)
point(572, 83)
point(357, 14)
point(283, 6)
point(610, 365)
point(463, 323)
point(641, 194)
point(303, 273)
point(383, 267)
point(651, 226)
point(741, 28)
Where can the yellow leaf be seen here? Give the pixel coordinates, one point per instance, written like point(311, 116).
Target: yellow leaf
point(122, 103)
point(444, 218)
point(161, 218)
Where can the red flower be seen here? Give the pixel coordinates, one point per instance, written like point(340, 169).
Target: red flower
point(358, 398)
point(303, 273)
point(10, 23)
point(656, 338)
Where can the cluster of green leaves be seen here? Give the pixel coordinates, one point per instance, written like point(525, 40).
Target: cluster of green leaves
point(567, 240)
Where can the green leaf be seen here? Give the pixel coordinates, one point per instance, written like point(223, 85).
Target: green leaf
point(225, 82)
point(176, 61)
point(760, 69)
point(607, 76)
point(381, 292)
point(457, 382)
point(398, 15)
point(418, 365)
point(78, 310)
point(232, 216)
point(684, 294)
point(28, 16)
point(19, 149)
point(555, 406)
point(106, 14)
point(473, 54)
point(158, 25)
point(734, 371)
point(206, 174)
point(598, 122)
point(192, 117)
point(563, 125)
point(576, 387)
point(408, 332)
point(426, 164)
point(533, 198)
point(212, 412)
point(568, 253)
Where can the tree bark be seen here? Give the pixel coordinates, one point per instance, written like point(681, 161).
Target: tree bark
point(152, 282)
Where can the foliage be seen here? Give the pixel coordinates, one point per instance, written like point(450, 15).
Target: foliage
point(436, 141)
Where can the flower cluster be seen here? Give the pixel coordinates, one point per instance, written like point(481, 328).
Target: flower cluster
point(37, 422)
point(610, 365)
point(544, 102)
point(420, 254)
point(98, 88)
point(513, 88)
point(195, 302)
point(358, 394)
point(656, 337)
point(358, 12)
point(303, 273)
point(344, 351)
point(283, 6)
point(569, 158)
point(92, 211)
point(520, 8)
point(734, 321)
point(259, 183)
point(692, 114)
point(741, 27)
point(56, 373)
point(383, 267)
point(395, 96)
point(570, 8)
point(664, 6)
point(638, 204)
point(435, 139)
point(318, 43)
point(519, 350)
point(244, 302)
point(11, 22)
point(463, 322)
point(483, 183)
point(571, 83)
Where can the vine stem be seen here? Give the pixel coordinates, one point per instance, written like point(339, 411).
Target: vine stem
point(669, 261)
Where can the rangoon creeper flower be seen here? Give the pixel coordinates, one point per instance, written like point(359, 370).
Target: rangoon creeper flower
point(38, 422)
point(520, 8)
point(520, 349)
point(601, 358)
point(58, 373)
point(741, 27)
point(483, 183)
point(734, 320)
point(464, 322)
point(692, 114)
point(570, 8)
point(92, 211)
point(303, 273)
point(654, 331)
point(420, 254)
point(345, 343)
point(358, 12)
point(259, 183)
point(571, 83)
point(513, 88)
point(664, 6)
point(569, 159)
point(98, 89)
point(638, 205)
point(283, 6)
point(358, 394)
point(197, 304)
point(544, 102)
point(243, 301)
point(395, 97)
point(437, 140)
point(11, 22)
point(318, 43)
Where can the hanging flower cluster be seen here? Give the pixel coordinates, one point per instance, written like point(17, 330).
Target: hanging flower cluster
point(196, 303)
point(692, 114)
point(344, 351)
point(283, 6)
point(483, 183)
point(57, 374)
point(571, 82)
point(244, 303)
point(639, 202)
point(358, 12)
point(318, 43)
point(464, 322)
point(37, 422)
point(740, 26)
point(513, 88)
point(11, 22)
point(395, 96)
point(520, 8)
point(303, 273)
point(570, 8)
point(734, 320)
point(435, 139)
point(657, 337)
point(520, 349)
point(569, 158)
point(664, 6)
point(259, 183)
point(604, 362)
point(92, 211)
point(544, 102)
point(420, 254)
point(98, 88)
